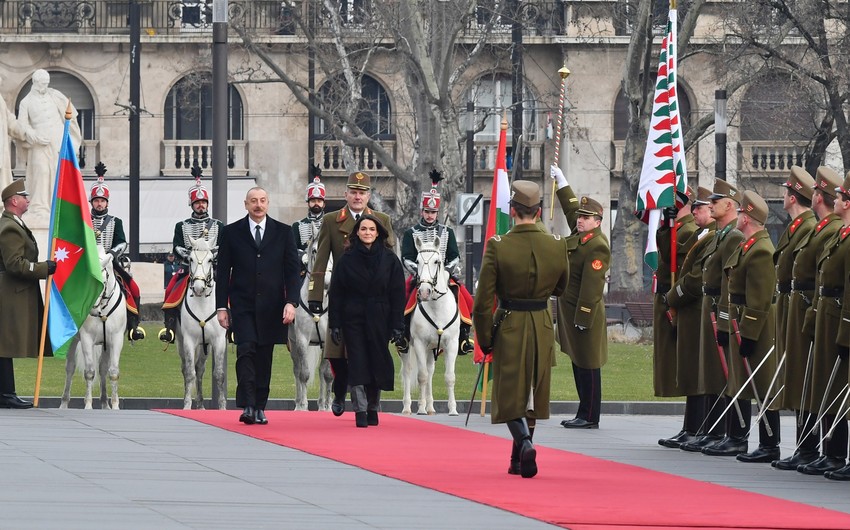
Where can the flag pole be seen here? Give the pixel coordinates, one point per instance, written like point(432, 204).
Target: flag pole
point(564, 73)
point(48, 284)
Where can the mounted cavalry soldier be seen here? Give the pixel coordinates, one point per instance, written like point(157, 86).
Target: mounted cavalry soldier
point(307, 228)
point(198, 226)
point(427, 230)
point(109, 233)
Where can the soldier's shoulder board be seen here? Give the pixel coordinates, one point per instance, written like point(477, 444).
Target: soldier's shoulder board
point(556, 236)
point(496, 238)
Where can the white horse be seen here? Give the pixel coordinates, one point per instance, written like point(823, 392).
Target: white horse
point(199, 332)
point(434, 328)
point(307, 336)
point(101, 339)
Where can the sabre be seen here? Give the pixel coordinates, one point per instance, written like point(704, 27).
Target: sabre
point(769, 388)
point(710, 410)
point(823, 407)
point(564, 73)
point(818, 419)
point(841, 412)
point(472, 399)
point(744, 386)
point(805, 385)
point(725, 368)
point(496, 325)
point(752, 380)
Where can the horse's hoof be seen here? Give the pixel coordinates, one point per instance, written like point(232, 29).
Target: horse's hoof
point(453, 413)
point(420, 413)
point(432, 413)
point(406, 412)
point(63, 406)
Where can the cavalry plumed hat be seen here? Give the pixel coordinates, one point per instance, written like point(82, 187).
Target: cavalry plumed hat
point(431, 199)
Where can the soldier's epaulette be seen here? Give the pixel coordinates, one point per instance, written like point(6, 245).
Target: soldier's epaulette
point(748, 244)
point(556, 236)
point(845, 232)
point(496, 238)
point(796, 224)
point(678, 224)
point(587, 237)
point(823, 222)
point(342, 216)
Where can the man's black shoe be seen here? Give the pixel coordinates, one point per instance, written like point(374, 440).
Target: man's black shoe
point(761, 455)
point(839, 474)
point(360, 419)
point(699, 443)
point(675, 442)
point(248, 416)
point(797, 459)
point(372, 417)
point(580, 423)
point(12, 401)
point(260, 417)
point(822, 465)
point(727, 447)
point(338, 406)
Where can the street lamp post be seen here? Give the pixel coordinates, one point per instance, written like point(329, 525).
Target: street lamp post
point(135, 125)
point(221, 110)
point(470, 162)
point(720, 134)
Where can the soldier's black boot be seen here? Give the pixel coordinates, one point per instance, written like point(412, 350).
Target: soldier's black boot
point(735, 441)
point(513, 469)
point(465, 345)
point(768, 449)
point(808, 451)
point(712, 405)
point(527, 452)
point(403, 346)
point(134, 332)
point(167, 334)
point(694, 414)
point(834, 449)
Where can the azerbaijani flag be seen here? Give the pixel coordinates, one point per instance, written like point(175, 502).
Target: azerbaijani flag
point(499, 217)
point(664, 168)
point(78, 281)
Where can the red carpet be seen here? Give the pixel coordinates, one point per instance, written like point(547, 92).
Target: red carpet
point(571, 490)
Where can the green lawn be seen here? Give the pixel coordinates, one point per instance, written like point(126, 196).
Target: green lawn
point(148, 371)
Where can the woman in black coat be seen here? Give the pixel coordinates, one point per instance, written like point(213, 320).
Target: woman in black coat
point(366, 306)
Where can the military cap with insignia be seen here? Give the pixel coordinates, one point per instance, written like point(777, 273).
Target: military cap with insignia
point(800, 181)
point(844, 188)
point(724, 190)
point(754, 206)
point(588, 206)
point(703, 195)
point(827, 180)
point(526, 193)
point(19, 187)
point(359, 181)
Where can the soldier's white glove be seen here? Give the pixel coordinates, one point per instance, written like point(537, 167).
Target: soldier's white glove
point(580, 328)
point(304, 259)
point(558, 175)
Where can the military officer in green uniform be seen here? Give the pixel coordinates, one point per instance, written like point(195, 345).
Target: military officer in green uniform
point(582, 327)
point(796, 345)
point(332, 239)
point(714, 343)
point(752, 324)
point(520, 270)
point(684, 299)
point(827, 351)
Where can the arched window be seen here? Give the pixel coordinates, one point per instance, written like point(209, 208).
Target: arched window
point(773, 109)
point(188, 110)
point(374, 117)
point(78, 93)
point(491, 94)
point(621, 113)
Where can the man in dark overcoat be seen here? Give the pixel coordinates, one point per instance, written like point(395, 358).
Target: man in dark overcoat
point(258, 274)
point(333, 236)
point(21, 306)
point(521, 269)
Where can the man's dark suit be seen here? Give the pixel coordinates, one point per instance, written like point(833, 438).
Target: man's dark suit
point(257, 283)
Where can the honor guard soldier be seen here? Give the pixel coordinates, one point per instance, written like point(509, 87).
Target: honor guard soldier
point(664, 325)
point(520, 270)
point(198, 226)
point(752, 326)
point(685, 301)
point(829, 352)
point(714, 336)
point(109, 233)
point(427, 230)
point(582, 327)
point(307, 228)
point(333, 236)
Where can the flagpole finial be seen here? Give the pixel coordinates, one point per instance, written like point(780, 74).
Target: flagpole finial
point(564, 72)
point(69, 111)
point(672, 4)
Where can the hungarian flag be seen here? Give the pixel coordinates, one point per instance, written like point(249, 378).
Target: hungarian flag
point(499, 218)
point(664, 169)
point(78, 281)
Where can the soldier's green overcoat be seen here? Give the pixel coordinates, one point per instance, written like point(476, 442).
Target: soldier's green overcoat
point(752, 282)
point(710, 379)
point(524, 264)
point(582, 303)
point(685, 296)
point(332, 238)
point(797, 343)
point(663, 333)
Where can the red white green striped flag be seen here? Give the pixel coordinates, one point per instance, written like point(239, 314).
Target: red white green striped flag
point(664, 169)
point(78, 281)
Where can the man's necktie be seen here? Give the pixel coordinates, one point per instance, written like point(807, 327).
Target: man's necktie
point(257, 236)
point(356, 217)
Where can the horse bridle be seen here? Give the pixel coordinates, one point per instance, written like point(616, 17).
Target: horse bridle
point(432, 278)
point(207, 279)
point(103, 302)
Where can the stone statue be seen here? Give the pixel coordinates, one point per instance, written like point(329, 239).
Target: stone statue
point(11, 128)
point(43, 110)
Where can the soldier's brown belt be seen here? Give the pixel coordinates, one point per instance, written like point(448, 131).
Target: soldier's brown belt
point(524, 305)
point(831, 291)
point(710, 291)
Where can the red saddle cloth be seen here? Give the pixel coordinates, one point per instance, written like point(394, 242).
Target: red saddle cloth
point(464, 304)
point(176, 290)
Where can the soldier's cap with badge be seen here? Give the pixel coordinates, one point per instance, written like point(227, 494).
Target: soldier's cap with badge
point(588, 206)
point(754, 206)
point(19, 187)
point(844, 188)
point(526, 193)
point(724, 190)
point(359, 181)
point(703, 195)
point(800, 181)
point(827, 180)
point(431, 199)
